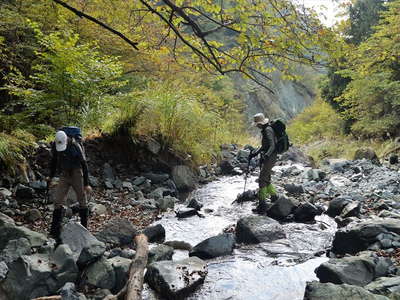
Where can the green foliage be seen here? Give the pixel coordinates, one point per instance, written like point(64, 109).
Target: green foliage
point(14, 148)
point(179, 117)
point(69, 82)
point(373, 96)
point(317, 122)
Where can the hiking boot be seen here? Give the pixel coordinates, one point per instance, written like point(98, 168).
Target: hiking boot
point(261, 208)
point(83, 215)
point(274, 198)
point(55, 229)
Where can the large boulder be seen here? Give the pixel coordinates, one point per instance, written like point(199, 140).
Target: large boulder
point(184, 178)
point(15, 249)
point(336, 206)
point(353, 270)
point(357, 237)
point(9, 231)
point(101, 274)
point(29, 277)
point(121, 268)
point(176, 279)
point(215, 246)
point(118, 232)
point(77, 238)
point(329, 291)
point(155, 234)
point(385, 286)
point(258, 229)
point(306, 212)
point(65, 268)
point(159, 253)
point(281, 208)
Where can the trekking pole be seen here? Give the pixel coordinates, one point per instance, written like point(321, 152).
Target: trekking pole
point(247, 173)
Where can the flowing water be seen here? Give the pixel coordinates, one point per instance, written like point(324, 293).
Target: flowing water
point(265, 271)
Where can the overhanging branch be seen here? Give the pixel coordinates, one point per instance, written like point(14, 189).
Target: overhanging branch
point(98, 22)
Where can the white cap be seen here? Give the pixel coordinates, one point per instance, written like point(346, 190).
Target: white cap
point(61, 141)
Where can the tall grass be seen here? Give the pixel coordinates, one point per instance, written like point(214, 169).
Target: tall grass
point(14, 148)
point(178, 119)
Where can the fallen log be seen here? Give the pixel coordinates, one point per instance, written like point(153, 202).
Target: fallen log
point(134, 285)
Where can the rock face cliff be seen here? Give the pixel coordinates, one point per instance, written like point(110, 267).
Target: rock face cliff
point(289, 98)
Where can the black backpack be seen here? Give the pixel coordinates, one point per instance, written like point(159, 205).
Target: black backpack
point(76, 134)
point(282, 144)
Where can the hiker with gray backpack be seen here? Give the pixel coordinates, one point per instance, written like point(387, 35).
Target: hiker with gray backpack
point(68, 159)
point(274, 141)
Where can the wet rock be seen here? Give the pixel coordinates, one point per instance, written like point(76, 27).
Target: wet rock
point(121, 268)
point(3, 270)
point(64, 265)
point(329, 291)
point(258, 229)
point(78, 237)
point(33, 215)
point(336, 206)
point(94, 181)
point(184, 178)
point(384, 286)
point(23, 193)
point(128, 253)
point(368, 154)
point(281, 208)
point(118, 232)
point(69, 292)
point(9, 231)
point(358, 237)
point(101, 274)
point(155, 234)
point(315, 174)
point(181, 245)
point(29, 277)
point(159, 253)
point(293, 188)
point(176, 279)
point(158, 193)
point(249, 195)
point(186, 213)
point(353, 270)
point(216, 246)
point(15, 249)
point(195, 204)
point(306, 212)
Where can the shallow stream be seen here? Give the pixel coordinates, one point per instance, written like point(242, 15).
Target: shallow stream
point(267, 271)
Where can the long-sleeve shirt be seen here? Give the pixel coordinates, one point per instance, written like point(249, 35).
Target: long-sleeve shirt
point(268, 142)
point(72, 158)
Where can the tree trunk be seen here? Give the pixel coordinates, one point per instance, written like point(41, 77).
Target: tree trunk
point(134, 285)
point(136, 270)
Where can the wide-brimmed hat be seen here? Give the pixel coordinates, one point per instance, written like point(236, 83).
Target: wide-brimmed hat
point(260, 119)
point(61, 141)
